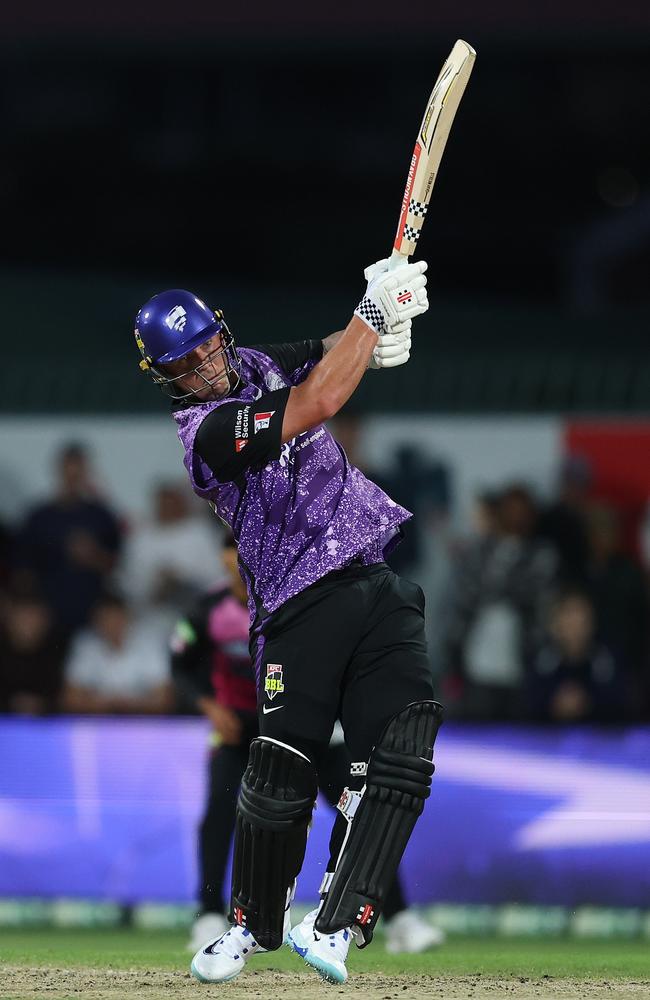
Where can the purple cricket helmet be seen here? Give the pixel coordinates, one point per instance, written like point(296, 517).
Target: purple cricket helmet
point(171, 325)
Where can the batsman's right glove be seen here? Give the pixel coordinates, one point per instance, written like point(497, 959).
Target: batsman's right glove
point(393, 348)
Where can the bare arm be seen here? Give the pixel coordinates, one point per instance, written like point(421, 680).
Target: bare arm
point(331, 341)
point(331, 383)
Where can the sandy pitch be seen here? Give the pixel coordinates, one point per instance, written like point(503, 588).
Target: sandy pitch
point(20, 983)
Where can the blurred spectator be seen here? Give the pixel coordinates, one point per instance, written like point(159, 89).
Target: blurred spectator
point(31, 657)
point(500, 586)
point(68, 545)
point(171, 559)
point(486, 515)
point(618, 590)
point(563, 522)
point(116, 666)
point(5, 547)
point(573, 677)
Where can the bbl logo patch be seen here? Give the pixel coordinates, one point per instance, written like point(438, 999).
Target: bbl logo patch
point(273, 683)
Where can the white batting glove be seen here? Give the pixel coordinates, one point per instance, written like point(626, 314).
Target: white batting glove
point(379, 267)
point(393, 297)
point(393, 347)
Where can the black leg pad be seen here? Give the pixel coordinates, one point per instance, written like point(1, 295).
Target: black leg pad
point(274, 810)
point(397, 785)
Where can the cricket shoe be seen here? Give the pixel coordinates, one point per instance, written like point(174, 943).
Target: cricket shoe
point(407, 932)
point(205, 928)
point(225, 957)
point(324, 952)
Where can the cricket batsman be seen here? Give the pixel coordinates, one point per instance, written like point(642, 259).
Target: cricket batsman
point(334, 633)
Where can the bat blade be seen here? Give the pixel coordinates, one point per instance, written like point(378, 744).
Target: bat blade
point(430, 145)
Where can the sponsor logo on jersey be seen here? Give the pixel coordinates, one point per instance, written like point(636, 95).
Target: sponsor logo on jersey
point(285, 454)
point(241, 427)
point(262, 420)
point(176, 319)
point(273, 683)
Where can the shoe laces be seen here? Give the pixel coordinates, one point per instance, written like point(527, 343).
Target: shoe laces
point(338, 942)
point(235, 943)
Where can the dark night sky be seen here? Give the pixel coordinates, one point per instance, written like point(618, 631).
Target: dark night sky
point(293, 156)
point(260, 159)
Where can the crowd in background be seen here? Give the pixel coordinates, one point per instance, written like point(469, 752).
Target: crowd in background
point(547, 615)
point(89, 601)
point(540, 613)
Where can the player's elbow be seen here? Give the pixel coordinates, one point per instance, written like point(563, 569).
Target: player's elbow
point(329, 404)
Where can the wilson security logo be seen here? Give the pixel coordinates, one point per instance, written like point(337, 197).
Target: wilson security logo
point(241, 428)
point(176, 319)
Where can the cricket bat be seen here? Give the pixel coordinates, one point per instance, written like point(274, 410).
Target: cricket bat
point(429, 147)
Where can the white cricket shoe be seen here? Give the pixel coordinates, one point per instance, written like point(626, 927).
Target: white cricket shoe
point(324, 952)
point(206, 928)
point(223, 959)
point(408, 932)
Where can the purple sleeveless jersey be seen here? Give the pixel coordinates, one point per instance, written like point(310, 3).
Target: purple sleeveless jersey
point(301, 516)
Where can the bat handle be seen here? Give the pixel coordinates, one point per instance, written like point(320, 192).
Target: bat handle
point(396, 260)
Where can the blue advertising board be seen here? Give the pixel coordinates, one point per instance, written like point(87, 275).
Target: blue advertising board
point(108, 809)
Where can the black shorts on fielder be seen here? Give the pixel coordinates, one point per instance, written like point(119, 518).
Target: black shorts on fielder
point(351, 646)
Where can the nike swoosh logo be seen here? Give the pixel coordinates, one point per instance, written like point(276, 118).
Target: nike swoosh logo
point(267, 710)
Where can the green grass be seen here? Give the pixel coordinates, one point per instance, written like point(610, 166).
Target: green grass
point(124, 949)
